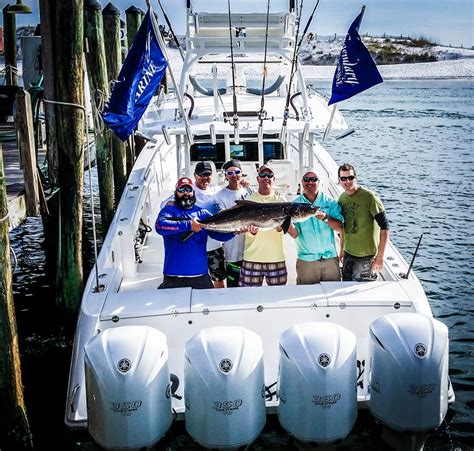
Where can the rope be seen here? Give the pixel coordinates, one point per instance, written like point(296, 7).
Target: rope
point(98, 104)
point(5, 217)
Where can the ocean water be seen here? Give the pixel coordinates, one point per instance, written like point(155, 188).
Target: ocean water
point(413, 145)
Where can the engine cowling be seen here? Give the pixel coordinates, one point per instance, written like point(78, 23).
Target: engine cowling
point(128, 387)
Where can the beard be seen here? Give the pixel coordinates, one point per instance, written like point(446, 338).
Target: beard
point(185, 202)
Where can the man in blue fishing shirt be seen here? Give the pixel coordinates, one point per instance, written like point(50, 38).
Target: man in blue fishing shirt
point(185, 261)
point(317, 256)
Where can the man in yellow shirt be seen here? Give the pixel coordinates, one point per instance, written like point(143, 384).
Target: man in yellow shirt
point(264, 253)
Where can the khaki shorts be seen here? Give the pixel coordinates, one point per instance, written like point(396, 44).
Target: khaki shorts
point(317, 271)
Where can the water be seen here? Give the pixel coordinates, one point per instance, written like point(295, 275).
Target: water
point(413, 145)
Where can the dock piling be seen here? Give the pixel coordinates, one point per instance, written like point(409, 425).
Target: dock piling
point(26, 144)
point(14, 427)
point(113, 54)
point(97, 74)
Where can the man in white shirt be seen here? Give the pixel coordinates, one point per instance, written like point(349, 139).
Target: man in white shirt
point(233, 249)
point(206, 198)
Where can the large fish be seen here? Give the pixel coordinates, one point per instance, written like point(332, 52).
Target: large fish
point(261, 215)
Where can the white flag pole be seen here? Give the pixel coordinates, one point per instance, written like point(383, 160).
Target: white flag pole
point(328, 127)
point(189, 133)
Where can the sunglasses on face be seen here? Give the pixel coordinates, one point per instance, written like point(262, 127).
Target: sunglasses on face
point(206, 174)
point(349, 177)
point(310, 179)
point(185, 189)
point(265, 174)
point(236, 172)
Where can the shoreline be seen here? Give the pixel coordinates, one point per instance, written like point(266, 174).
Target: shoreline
point(461, 69)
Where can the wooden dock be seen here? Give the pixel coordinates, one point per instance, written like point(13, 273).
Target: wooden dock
point(13, 175)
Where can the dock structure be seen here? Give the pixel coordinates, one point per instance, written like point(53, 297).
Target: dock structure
point(14, 176)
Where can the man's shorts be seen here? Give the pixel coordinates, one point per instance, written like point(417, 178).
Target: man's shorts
point(253, 273)
point(358, 268)
point(216, 264)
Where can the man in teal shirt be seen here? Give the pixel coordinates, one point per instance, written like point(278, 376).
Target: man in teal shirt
point(317, 256)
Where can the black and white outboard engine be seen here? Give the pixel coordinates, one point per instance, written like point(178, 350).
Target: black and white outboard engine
point(409, 371)
point(224, 387)
point(128, 387)
point(317, 382)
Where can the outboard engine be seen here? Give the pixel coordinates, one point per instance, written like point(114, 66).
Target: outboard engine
point(128, 387)
point(409, 371)
point(224, 387)
point(317, 382)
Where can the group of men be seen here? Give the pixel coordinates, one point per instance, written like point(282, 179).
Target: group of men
point(249, 256)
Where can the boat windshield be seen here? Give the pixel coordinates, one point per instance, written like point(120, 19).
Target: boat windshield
point(244, 151)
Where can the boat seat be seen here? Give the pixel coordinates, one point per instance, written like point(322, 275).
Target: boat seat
point(285, 175)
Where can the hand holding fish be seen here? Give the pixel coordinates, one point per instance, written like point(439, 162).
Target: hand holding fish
point(196, 226)
point(252, 229)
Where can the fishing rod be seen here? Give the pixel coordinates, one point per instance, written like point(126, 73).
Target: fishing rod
point(297, 47)
point(262, 112)
point(235, 119)
point(405, 276)
point(171, 30)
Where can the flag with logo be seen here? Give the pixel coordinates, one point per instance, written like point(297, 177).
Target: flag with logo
point(356, 70)
point(138, 80)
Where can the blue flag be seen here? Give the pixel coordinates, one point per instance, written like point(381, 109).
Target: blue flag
point(356, 70)
point(139, 77)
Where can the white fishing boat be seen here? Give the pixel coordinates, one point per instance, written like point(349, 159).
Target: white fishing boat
point(223, 359)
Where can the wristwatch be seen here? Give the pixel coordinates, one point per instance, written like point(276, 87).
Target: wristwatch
point(326, 218)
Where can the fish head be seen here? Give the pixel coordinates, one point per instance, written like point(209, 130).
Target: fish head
point(302, 211)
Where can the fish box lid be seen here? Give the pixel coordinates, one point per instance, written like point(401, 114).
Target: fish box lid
point(154, 302)
point(362, 294)
point(250, 298)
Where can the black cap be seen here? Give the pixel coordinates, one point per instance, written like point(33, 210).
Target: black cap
point(203, 168)
point(231, 163)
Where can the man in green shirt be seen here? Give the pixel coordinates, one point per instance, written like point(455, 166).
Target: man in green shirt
point(365, 228)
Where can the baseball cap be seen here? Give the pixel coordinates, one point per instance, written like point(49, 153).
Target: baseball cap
point(265, 168)
point(231, 163)
point(184, 181)
point(203, 168)
point(307, 171)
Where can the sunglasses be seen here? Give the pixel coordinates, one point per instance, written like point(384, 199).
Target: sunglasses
point(205, 174)
point(268, 175)
point(310, 179)
point(349, 177)
point(185, 189)
point(236, 172)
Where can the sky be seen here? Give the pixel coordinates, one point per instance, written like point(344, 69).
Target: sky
point(447, 22)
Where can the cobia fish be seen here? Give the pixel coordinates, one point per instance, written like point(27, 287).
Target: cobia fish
point(261, 215)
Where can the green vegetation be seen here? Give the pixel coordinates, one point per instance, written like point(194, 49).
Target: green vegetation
point(391, 51)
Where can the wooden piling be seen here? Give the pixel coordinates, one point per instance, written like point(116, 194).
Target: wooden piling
point(113, 54)
point(47, 52)
point(26, 143)
point(14, 427)
point(134, 17)
point(97, 73)
point(9, 47)
point(65, 20)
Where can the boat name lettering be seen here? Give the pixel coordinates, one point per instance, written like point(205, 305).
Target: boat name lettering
point(326, 401)
point(149, 72)
point(227, 407)
point(127, 407)
point(421, 390)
